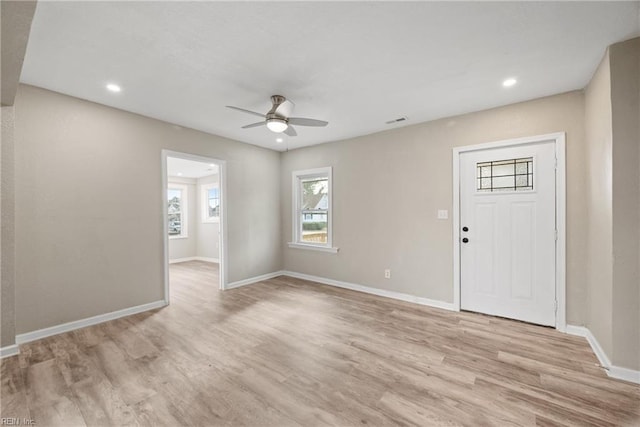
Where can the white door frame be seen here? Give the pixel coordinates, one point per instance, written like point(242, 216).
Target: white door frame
point(222, 166)
point(559, 139)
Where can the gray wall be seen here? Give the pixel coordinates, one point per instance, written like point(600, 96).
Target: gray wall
point(208, 232)
point(625, 88)
point(389, 186)
point(612, 118)
point(16, 17)
point(598, 196)
point(186, 247)
point(7, 236)
point(82, 171)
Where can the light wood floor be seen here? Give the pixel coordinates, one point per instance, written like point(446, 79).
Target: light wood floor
point(291, 352)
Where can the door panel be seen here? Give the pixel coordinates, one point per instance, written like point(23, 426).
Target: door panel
point(507, 201)
point(485, 221)
point(523, 227)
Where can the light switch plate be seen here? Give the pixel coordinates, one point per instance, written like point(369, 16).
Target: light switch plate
point(443, 214)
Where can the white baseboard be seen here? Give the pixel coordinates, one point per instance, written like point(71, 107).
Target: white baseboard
point(252, 280)
point(9, 350)
point(83, 323)
point(373, 291)
point(612, 371)
point(194, 258)
point(624, 374)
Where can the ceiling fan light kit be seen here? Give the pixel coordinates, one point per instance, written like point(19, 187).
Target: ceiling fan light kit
point(277, 119)
point(277, 125)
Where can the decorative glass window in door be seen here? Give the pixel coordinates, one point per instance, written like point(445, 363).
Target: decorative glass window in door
point(505, 175)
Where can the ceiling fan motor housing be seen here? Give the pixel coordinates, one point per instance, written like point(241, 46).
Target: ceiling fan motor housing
point(281, 107)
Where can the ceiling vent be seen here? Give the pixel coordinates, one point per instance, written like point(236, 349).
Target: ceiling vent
point(398, 120)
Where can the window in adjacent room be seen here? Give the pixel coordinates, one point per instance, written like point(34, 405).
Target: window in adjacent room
point(312, 209)
point(211, 203)
point(177, 206)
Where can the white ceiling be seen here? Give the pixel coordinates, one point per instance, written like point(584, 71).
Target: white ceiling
point(355, 64)
point(189, 168)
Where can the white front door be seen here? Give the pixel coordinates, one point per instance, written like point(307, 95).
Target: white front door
point(507, 232)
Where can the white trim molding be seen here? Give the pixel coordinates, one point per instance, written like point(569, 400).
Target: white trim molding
point(559, 138)
point(298, 178)
point(373, 291)
point(89, 321)
point(612, 371)
point(332, 250)
point(9, 350)
point(252, 280)
point(222, 242)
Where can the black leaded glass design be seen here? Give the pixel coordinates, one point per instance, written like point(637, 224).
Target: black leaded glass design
point(505, 175)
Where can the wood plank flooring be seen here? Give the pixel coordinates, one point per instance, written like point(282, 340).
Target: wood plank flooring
point(288, 352)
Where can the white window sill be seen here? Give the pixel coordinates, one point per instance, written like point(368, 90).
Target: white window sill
point(178, 237)
point(313, 247)
point(211, 221)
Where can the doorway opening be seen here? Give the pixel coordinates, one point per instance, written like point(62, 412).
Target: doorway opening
point(509, 205)
point(193, 208)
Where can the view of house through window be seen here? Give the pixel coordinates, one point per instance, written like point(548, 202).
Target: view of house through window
point(314, 210)
point(175, 198)
point(211, 203)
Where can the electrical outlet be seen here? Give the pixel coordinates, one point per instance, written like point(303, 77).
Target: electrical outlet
point(443, 214)
point(387, 274)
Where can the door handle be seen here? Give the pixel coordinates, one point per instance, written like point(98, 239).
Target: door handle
point(465, 240)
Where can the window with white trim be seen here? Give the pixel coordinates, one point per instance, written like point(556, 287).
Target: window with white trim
point(211, 203)
point(177, 210)
point(312, 209)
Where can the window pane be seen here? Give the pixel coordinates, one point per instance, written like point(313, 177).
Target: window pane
point(174, 197)
point(485, 183)
point(213, 202)
point(521, 167)
point(214, 207)
point(314, 227)
point(503, 182)
point(175, 224)
point(500, 170)
point(315, 194)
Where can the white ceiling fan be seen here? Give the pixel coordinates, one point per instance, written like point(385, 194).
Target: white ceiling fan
point(277, 118)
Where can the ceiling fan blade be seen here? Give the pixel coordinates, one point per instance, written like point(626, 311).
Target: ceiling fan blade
point(246, 111)
point(301, 121)
point(290, 131)
point(254, 125)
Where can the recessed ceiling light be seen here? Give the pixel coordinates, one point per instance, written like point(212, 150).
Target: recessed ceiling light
point(179, 173)
point(212, 165)
point(509, 82)
point(279, 140)
point(113, 87)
